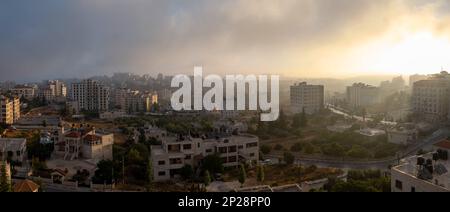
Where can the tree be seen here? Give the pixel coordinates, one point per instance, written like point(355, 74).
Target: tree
point(207, 178)
point(44, 123)
point(278, 147)
point(297, 147)
point(213, 164)
point(104, 172)
point(242, 175)
point(303, 119)
point(149, 174)
point(265, 149)
point(260, 176)
point(309, 148)
point(289, 158)
point(187, 172)
point(5, 185)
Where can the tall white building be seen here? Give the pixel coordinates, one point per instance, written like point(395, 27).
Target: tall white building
point(430, 99)
point(90, 95)
point(362, 95)
point(309, 98)
point(415, 78)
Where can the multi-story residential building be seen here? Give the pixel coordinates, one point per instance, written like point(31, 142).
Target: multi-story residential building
point(174, 153)
point(47, 93)
point(424, 173)
point(430, 99)
point(362, 95)
point(10, 109)
point(85, 143)
point(416, 78)
point(90, 95)
point(13, 149)
point(58, 87)
point(24, 91)
point(309, 98)
point(134, 101)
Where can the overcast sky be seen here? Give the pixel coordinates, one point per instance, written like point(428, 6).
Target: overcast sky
point(305, 38)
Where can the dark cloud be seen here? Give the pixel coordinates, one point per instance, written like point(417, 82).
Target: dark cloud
point(63, 38)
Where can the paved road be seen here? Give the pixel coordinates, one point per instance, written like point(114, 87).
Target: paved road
point(376, 164)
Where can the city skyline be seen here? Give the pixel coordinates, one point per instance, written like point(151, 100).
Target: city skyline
point(317, 39)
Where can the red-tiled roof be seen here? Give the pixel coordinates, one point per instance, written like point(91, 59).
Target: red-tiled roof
point(445, 144)
point(92, 137)
point(26, 186)
point(73, 134)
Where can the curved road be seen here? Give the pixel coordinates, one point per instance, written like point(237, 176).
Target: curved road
point(375, 164)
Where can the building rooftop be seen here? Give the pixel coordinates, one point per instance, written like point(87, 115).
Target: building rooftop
point(12, 144)
point(444, 144)
point(26, 186)
point(439, 175)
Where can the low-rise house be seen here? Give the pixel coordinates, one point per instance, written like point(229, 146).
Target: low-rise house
point(423, 173)
point(85, 143)
point(403, 135)
point(169, 157)
point(26, 186)
point(13, 149)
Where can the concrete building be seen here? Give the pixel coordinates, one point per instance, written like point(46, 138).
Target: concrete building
point(425, 173)
point(174, 153)
point(91, 96)
point(362, 95)
point(59, 88)
point(24, 91)
point(416, 78)
point(307, 97)
point(85, 143)
point(403, 135)
point(14, 149)
point(430, 99)
point(134, 101)
point(10, 109)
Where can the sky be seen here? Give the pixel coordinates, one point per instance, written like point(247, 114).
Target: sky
point(48, 39)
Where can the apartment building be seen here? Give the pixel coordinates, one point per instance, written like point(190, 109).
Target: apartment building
point(424, 173)
point(174, 153)
point(13, 149)
point(85, 143)
point(134, 101)
point(430, 99)
point(416, 78)
point(90, 95)
point(59, 88)
point(10, 109)
point(362, 95)
point(309, 98)
point(24, 91)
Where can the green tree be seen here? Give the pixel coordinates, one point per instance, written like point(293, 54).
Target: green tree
point(265, 149)
point(309, 148)
point(5, 185)
point(242, 175)
point(207, 178)
point(288, 158)
point(187, 172)
point(297, 147)
point(104, 172)
point(212, 163)
point(260, 175)
point(149, 175)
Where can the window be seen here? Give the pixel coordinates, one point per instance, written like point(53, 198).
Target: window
point(188, 157)
point(413, 189)
point(222, 150)
point(399, 185)
point(241, 147)
point(187, 146)
point(208, 150)
point(161, 162)
point(252, 145)
point(232, 159)
point(163, 173)
point(252, 154)
point(232, 149)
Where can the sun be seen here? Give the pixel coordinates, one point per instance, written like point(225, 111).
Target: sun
point(421, 52)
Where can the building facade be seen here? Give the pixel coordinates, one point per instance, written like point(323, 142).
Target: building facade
point(309, 98)
point(26, 92)
point(430, 99)
point(13, 149)
point(362, 95)
point(174, 153)
point(91, 96)
point(10, 109)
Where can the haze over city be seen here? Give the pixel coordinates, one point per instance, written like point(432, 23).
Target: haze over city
point(308, 38)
